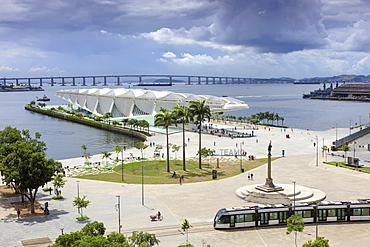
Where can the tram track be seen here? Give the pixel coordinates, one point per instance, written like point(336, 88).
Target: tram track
point(170, 230)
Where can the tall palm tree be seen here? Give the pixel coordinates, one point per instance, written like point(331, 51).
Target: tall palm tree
point(185, 115)
point(200, 111)
point(165, 118)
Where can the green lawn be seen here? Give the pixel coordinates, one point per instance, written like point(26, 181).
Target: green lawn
point(155, 171)
point(342, 164)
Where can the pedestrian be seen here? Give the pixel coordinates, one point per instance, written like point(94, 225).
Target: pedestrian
point(50, 189)
point(18, 213)
point(214, 143)
point(162, 155)
point(150, 144)
point(180, 180)
point(251, 176)
point(256, 140)
point(188, 139)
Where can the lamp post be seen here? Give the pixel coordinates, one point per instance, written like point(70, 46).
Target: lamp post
point(293, 197)
point(118, 208)
point(142, 185)
point(316, 226)
point(317, 151)
point(78, 193)
point(123, 149)
point(241, 156)
point(354, 156)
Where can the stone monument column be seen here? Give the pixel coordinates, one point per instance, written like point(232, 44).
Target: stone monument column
point(269, 185)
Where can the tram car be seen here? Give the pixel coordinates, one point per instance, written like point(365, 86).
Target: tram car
point(238, 217)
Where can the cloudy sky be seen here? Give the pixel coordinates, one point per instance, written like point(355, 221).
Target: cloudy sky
point(241, 38)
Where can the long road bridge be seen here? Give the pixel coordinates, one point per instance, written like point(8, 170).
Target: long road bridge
point(103, 79)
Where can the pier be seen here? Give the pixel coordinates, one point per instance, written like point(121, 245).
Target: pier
point(95, 80)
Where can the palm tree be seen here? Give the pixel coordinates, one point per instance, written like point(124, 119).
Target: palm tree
point(144, 124)
point(105, 155)
point(184, 114)
point(200, 111)
point(165, 118)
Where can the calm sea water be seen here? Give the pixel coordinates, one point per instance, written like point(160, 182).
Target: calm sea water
point(64, 139)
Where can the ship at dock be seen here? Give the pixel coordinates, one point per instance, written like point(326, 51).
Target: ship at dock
point(349, 92)
point(11, 88)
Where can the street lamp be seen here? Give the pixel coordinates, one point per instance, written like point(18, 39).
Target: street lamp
point(354, 157)
point(78, 193)
point(293, 197)
point(317, 151)
point(241, 156)
point(123, 149)
point(78, 188)
point(118, 208)
point(142, 185)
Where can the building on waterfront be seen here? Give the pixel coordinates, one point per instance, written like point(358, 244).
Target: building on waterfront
point(135, 103)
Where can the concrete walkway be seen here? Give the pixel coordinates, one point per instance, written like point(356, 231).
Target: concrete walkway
point(199, 202)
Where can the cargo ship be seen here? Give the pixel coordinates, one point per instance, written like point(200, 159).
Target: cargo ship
point(19, 88)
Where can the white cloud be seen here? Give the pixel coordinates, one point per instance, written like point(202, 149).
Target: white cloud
point(169, 55)
point(38, 69)
point(8, 69)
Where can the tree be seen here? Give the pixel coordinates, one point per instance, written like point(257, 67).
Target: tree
point(80, 203)
point(345, 148)
point(107, 116)
point(185, 227)
point(319, 242)
point(165, 118)
point(85, 154)
point(105, 155)
point(158, 149)
point(92, 235)
point(324, 148)
point(295, 223)
point(18, 152)
point(200, 111)
point(144, 124)
point(94, 229)
point(59, 182)
point(118, 149)
point(184, 114)
point(175, 149)
point(139, 238)
point(32, 103)
point(141, 146)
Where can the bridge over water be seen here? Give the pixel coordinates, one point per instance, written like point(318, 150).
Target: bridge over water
point(103, 80)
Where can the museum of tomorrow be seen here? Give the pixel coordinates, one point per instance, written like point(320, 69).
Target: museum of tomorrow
point(135, 103)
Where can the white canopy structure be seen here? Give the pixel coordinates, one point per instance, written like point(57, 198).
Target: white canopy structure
point(129, 103)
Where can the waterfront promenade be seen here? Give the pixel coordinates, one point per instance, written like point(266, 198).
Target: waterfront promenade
point(198, 202)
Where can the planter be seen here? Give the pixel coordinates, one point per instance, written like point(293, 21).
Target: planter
point(82, 218)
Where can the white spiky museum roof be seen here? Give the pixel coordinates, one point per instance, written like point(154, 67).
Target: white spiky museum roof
point(123, 102)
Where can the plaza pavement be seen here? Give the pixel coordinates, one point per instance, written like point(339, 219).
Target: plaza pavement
point(199, 202)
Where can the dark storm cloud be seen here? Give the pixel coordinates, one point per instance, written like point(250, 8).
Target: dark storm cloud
point(277, 26)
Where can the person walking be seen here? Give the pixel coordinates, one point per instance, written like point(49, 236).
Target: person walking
point(251, 176)
point(18, 212)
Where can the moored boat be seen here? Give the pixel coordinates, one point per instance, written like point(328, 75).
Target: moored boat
point(45, 98)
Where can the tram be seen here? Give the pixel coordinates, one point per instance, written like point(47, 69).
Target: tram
point(238, 217)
